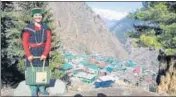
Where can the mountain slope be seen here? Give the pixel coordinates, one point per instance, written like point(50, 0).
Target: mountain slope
point(81, 30)
point(110, 23)
point(122, 27)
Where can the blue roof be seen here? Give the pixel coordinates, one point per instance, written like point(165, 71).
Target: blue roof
point(69, 56)
point(109, 69)
point(66, 66)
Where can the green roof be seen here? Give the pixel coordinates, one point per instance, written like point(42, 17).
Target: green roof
point(66, 66)
point(70, 56)
point(85, 75)
point(90, 65)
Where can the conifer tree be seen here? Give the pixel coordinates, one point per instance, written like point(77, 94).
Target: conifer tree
point(162, 35)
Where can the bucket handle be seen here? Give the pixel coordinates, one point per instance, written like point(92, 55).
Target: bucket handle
point(37, 57)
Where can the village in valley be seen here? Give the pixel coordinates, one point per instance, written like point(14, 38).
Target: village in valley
point(95, 71)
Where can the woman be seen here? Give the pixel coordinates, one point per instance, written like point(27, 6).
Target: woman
point(36, 40)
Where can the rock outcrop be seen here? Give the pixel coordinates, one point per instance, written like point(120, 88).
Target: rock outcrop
point(55, 88)
point(167, 75)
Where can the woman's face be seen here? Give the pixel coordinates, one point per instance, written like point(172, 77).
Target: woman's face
point(37, 17)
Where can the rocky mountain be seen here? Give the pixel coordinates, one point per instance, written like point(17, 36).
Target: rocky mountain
point(122, 27)
point(110, 23)
point(142, 55)
point(81, 30)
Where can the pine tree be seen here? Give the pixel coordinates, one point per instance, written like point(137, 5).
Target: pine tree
point(6, 8)
point(163, 16)
point(8, 69)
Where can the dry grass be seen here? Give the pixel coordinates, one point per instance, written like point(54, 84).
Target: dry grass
point(168, 82)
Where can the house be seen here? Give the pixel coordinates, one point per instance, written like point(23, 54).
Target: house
point(90, 65)
point(85, 77)
point(66, 66)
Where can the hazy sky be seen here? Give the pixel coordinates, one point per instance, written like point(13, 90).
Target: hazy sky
point(114, 10)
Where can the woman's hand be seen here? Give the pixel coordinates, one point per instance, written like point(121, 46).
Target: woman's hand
point(30, 58)
point(43, 57)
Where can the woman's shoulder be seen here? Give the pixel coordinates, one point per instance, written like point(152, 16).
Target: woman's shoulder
point(30, 25)
point(45, 26)
point(29, 28)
